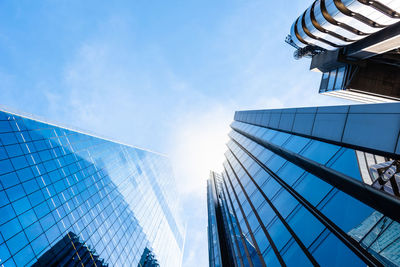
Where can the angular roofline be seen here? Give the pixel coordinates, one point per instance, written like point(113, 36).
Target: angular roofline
point(31, 116)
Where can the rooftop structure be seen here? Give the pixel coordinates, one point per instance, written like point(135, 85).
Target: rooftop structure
point(355, 44)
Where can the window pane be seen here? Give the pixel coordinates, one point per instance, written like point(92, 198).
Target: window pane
point(275, 163)
point(296, 143)
point(333, 253)
point(290, 173)
point(270, 258)
point(312, 188)
point(295, 257)
point(17, 242)
point(270, 187)
point(347, 163)
point(5, 167)
point(346, 211)
point(305, 225)
point(15, 192)
point(10, 228)
point(340, 77)
point(320, 152)
point(24, 256)
point(279, 234)
point(331, 82)
point(266, 214)
point(285, 203)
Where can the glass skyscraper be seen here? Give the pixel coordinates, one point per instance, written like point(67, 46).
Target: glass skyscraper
point(308, 187)
point(70, 197)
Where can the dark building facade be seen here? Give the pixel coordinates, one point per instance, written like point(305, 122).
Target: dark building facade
point(214, 235)
point(69, 198)
point(355, 44)
point(69, 251)
point(308, 187)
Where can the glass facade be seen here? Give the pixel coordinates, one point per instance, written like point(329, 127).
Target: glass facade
point(299, 198)
point(335, 79)
point(69, 251)
point(214, 250)
point(119, 202)
point(371, 84)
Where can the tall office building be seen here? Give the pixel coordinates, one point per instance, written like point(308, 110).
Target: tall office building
point(356, 46)
point(308, 187)
point(72, 198)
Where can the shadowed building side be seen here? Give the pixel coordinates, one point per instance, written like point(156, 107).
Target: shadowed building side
point(69, 251)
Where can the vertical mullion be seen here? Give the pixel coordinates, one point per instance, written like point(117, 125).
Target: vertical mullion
point(212, 237)
point(238, 225)
point(337, 231)
point(292, 233)
point(229, 220)
point(224, 241)
point(273, 246)
point(245, 219)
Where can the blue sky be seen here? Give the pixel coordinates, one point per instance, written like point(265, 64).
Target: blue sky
point(163, 75)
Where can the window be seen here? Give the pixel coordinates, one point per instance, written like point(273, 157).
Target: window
point(7, 213)
point(340, 77)
point(17, 242)
point(3, 153)
point(5, 127)
point(347, 163)
point(23, 257)
point(280, 138)
point(19, 162)
point(8, 138)
point(252, 220)
point(290, 173)
point(33, 231)
point(324, 82)
point(261, 239)
point(3, 199)
point(279, 234)
point(36, 198)
point(294, 256)
point(284, 203)
point(5, 167)
point(332, 252)
point(270, 188)
point(296, 143)
point(275, 163)
point(261, 177)
point(15, 192)
point(21, 205)
point(40, 244)
point(266, 213)
point(10, 228)
point(25, 174)
point(14, 150)
point(257, 199)
point(320, 152)
point(305, 225)
point(4, 253)
point(346, 211)
point(312, 188)
point(30, 186)
point(331, 83)
point(27, 218)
